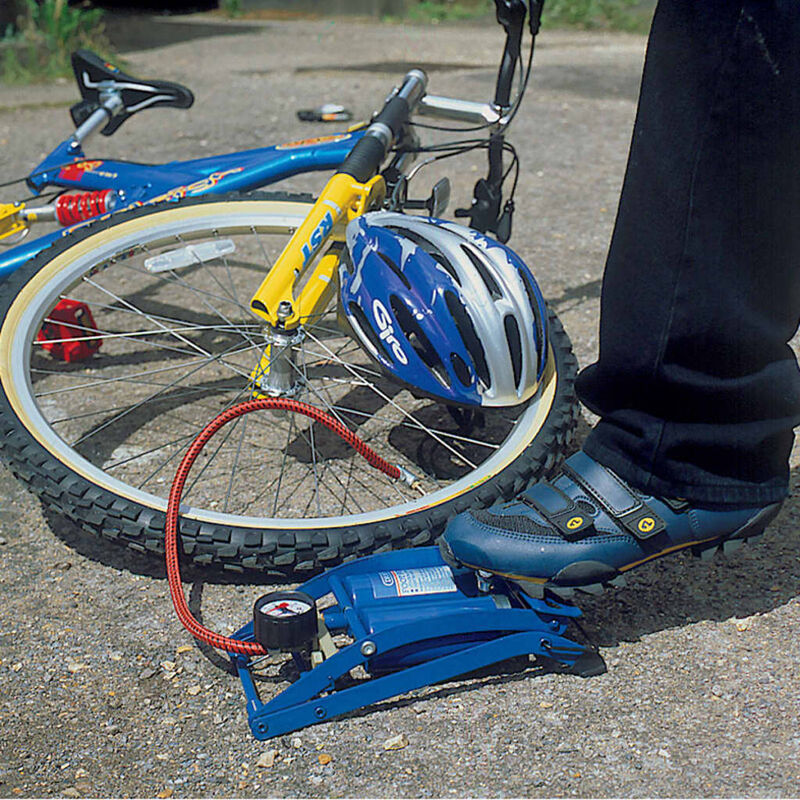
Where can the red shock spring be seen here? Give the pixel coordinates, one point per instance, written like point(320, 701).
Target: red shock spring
point(72, 208)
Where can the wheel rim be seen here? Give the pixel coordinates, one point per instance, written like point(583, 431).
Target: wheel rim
point(179, 347)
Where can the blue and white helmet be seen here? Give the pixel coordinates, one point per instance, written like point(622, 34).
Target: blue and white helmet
point(444, 308)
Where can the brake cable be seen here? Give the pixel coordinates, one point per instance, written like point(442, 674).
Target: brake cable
point(451, 149)
point(171, 526)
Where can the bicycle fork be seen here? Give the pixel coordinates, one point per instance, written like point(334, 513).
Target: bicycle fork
point(277, 374)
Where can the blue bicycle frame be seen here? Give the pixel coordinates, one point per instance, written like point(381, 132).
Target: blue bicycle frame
point(135, 184)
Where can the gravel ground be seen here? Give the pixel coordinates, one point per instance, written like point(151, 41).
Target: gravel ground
point(101, 692)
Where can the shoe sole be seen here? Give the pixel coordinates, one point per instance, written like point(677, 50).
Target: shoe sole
point(594, 577)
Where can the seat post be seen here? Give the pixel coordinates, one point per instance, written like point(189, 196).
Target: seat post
point(110, 104)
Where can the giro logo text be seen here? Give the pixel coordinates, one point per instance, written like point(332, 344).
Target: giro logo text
point(384, 322)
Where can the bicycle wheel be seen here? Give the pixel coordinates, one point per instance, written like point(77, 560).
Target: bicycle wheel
point(168, 288)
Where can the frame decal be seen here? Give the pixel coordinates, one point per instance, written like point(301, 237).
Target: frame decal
point(198, 187)
point(316, 140)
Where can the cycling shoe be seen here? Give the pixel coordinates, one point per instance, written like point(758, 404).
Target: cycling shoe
point(586, 529)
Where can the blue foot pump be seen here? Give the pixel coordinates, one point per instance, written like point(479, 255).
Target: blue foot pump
point(409, 620)
point(378, 626)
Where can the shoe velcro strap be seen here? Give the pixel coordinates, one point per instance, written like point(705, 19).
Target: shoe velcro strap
point(677, 504)
point(614, 497)
point(558, 509)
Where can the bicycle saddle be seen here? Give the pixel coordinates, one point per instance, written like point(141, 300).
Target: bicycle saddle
point(96, 76)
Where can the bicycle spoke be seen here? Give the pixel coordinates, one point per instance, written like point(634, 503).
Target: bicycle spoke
point(235, 464)
point(267, 260)
point(138, 405)
point(116, 309)
point(131, 378)
point(408, 415)
point(161, 467)
point(204, 296)
point(304, 373)
point(174, 278)
point(147, 316)
point(232, 283)
point(229, 431)
point(283, 465)
point(446, 434)
point(173, 275)
point(145, 453)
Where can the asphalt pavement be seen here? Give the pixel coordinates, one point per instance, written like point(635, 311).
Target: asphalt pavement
point(101, 692)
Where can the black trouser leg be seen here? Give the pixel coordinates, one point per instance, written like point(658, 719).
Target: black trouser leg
point(695, 384)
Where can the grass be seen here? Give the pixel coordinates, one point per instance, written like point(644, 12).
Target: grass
point(50, 31)
point(434, 11)
point(231, 8)
point(618, 15)
point(624, 15)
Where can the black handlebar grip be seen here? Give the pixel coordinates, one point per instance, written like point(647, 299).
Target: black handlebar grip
point(363, 160)
point(394, 114)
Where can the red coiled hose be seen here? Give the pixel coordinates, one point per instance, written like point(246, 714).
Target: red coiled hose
point(173, 507)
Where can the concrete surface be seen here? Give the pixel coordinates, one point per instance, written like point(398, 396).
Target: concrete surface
point(702, 693)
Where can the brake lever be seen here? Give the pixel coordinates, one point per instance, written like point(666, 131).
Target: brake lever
point(503, 229)
point(513, 11)
point(484, 213)
point(535, 8)
point(485, 209)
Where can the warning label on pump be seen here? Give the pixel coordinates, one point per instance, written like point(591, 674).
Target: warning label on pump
point(408, 582)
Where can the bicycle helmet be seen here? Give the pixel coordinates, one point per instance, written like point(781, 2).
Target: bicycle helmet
point(441, 307)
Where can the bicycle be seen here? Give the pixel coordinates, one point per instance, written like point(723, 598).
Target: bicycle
point(162, 310)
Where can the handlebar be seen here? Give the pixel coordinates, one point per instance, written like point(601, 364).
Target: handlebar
point(366, 157)
point(460, 110)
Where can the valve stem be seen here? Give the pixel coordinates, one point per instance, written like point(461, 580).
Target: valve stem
point(410, 479)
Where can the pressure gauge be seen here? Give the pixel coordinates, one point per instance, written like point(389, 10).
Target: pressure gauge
point(285, 621)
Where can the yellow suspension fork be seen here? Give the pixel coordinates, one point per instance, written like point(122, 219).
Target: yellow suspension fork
point(276, 300)
point(343, 199)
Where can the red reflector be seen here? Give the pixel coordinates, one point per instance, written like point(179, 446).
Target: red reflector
point(69, 333)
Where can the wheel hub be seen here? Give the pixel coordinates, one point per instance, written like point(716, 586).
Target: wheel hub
point(277, 374)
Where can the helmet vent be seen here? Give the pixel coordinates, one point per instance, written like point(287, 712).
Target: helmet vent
point(446, 265)
point(365, 330)
point(429, 248)
point(538, 322)
point(346, 260)
point(469, 337)
point(418, 340)
point(461, 369)
point(514, 346)
point(486, 277)
point(395, 269)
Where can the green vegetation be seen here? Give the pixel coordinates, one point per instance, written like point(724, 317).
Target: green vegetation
point(628, 15)
point(625, 15)
point(231, 8)
point(47, 33)
point(447, 10)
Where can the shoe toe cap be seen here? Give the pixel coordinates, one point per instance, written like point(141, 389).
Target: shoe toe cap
point(475, 541)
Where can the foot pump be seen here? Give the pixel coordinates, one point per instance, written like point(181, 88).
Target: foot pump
point(378, 626)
